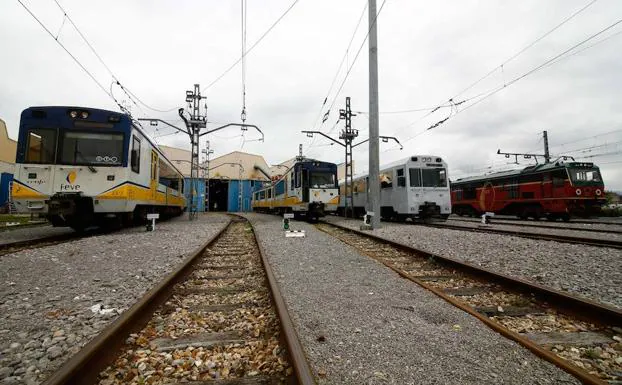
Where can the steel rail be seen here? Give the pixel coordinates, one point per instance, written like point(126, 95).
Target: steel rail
point(587, 222)
point(294, 347)
point(545, 237)
point(582, 308)
point(531, 224)
point(85, 366)
point(13, 247)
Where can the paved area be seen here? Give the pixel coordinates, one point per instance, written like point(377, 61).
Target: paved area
point(360, 323)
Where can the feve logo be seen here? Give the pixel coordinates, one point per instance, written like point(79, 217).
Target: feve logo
point(71, 177)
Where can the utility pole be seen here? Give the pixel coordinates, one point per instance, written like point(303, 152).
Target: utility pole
point(547, 156)
point(374, 121)
point(348, 135)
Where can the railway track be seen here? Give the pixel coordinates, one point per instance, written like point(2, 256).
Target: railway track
point(532, 224)
point(580, 336)
point(540, 236)
point(218, 318)
point(577, 221)
point(13, 247)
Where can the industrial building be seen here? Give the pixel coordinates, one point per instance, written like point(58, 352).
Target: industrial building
point(225, 183)
point(8, 149)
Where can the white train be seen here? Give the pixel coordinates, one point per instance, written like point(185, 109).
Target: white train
point(84, 166)
point(308, 189)
point(416, 187)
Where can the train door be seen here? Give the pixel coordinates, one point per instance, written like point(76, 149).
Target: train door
point(305, 185)
point(153, 184)
point(400, 203)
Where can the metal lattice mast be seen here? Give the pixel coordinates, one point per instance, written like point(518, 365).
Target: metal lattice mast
point(547, 156)
point(348, 134)
point(194, 125)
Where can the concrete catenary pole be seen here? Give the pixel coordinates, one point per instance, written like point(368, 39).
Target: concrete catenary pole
point(374, 121)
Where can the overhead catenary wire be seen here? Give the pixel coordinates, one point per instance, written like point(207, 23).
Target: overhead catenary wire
point(503, 64)
point(130, 94)
point(243, 30)
point(343, 60)
point(232, 66)
point(72, 56)
point(488, 94)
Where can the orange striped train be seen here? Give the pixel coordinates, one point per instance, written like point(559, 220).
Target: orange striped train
point(307, 189)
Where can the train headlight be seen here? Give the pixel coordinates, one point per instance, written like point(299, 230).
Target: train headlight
point(598, 192)
point(73, 114)
point(578, 191)
point(84, 114)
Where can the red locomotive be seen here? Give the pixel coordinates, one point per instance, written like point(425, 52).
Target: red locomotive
point(555, 190)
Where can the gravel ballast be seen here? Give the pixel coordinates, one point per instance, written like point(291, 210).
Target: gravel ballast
point(32, 233)
point(593, 272)
point(55, 299)
point(545, 230)
point(360, 323)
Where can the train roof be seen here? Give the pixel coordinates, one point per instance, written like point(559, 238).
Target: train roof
point(527, 170)
point(397, 163)
point(59, 113)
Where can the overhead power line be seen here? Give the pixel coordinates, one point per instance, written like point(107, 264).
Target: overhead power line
point(358, 52)
point(129, 93)
point(488, 94)
point(520, 52)
point(72, 56)
point(343, 60)
point(232, 66)
point(501, 66)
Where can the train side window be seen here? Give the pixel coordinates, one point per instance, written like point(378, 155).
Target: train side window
point(401, 178)
point(135, 162)
point(41, 146)
point(385, 180)
point(154, 165)
point(269, 193)
point(415, 177)
point(305, 178)
point(459, 195)
point(469, 192)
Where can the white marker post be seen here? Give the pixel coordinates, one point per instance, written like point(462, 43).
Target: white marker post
point(288, 232)
point(367, 221)
point(153, 217)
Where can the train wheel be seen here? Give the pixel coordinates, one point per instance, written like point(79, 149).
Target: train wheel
point(565, 217)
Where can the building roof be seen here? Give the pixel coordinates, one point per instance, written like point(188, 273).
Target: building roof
point(8, 146)
point(222, 167)
point(226, 166)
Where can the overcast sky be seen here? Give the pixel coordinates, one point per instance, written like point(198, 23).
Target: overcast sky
point(428, 52)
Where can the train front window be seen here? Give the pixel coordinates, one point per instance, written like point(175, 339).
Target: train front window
point(322, 180)
point(91, 148)
point(585, 175)
point(434, 177)
point(41, 146)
